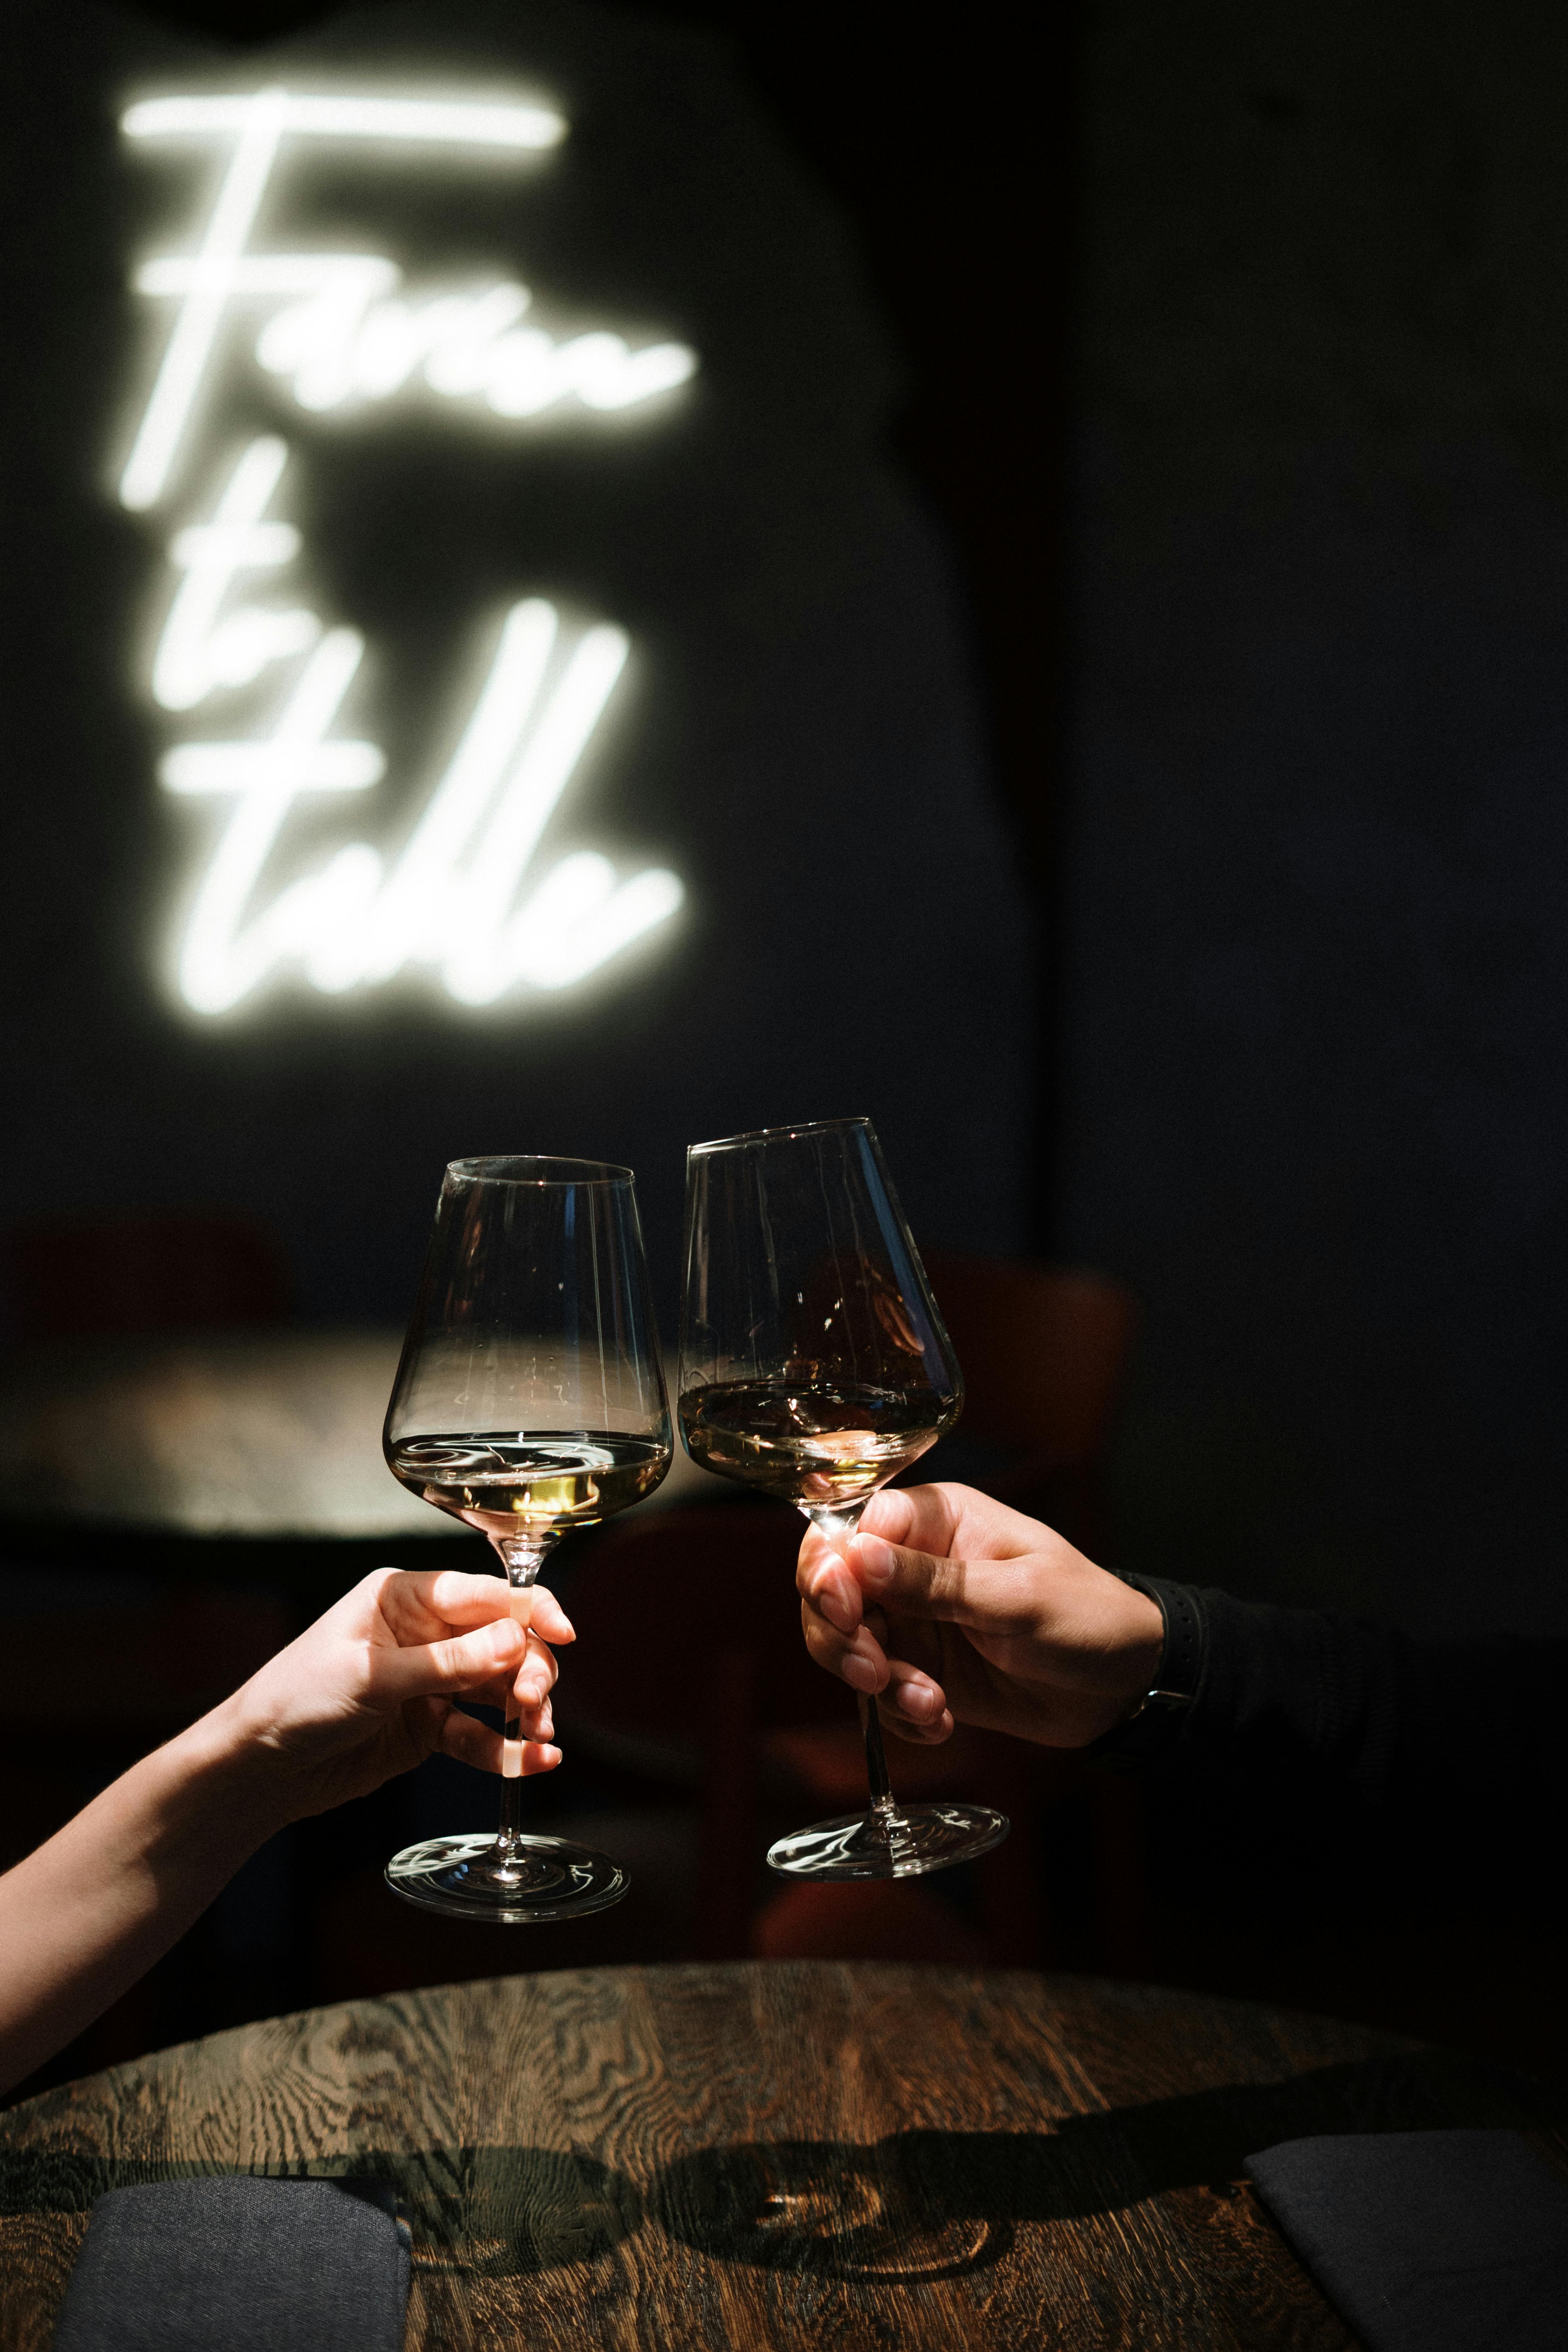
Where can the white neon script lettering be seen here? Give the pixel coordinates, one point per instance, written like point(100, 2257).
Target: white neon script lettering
point(453, 900)
point(197, 651)
point(448, 902)
point(345, 334)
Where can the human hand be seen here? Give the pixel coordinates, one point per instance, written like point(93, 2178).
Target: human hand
point(368, 1691)
point(951, 1608)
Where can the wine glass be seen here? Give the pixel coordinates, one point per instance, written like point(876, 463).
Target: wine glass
point(813, 1366)
point(529, 1400)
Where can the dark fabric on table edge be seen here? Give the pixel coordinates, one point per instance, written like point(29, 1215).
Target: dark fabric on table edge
point(239, 2266)
point(1430, 2241)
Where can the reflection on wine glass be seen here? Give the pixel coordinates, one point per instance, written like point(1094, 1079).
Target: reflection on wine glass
point(813, 1366)
point(529, 1400)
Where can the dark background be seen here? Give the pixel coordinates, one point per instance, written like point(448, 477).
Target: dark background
point(799, 733)
point(1235, 367)
point(1237, 361)
point(1314, 1106)
point(840, 567)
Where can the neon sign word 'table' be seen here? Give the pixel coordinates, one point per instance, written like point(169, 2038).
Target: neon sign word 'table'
point(339, 333)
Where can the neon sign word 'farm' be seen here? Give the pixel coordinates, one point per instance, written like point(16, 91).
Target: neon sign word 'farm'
point(341, 331)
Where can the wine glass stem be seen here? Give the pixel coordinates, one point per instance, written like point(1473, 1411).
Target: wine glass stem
point(876, 1760)
point(838, 1522)
point(523, 1556)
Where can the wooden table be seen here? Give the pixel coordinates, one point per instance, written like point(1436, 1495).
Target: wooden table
point(710, 2160)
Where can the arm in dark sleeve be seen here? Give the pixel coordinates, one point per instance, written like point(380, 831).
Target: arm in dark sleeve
point(1293, 1692)
point(1303, 1695)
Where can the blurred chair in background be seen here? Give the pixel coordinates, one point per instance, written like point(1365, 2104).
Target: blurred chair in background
point(132, 1270)
point(1043, 1349)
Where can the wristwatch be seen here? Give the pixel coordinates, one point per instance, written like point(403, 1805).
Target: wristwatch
point(1157, 1717)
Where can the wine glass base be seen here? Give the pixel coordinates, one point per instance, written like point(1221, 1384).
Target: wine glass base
point(904, 1843)
point(543, 1878)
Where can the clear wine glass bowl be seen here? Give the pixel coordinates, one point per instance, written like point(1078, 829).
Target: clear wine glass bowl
point(530, 1401)
point(815, 1367)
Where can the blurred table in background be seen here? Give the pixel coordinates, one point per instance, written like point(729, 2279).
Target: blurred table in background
point(272, 1434)
point(263, 1442)
point(266, 1438)
point(763, 2158)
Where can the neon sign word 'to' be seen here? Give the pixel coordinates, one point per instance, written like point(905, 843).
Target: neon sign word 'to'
point(341, 331)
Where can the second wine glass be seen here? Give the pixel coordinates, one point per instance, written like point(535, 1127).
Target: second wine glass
point(813, 1366)
point(529, 1400)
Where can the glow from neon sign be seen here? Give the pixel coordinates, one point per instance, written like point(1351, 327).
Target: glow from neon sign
point(197, 652)
point(446, 901)
point(450, 900)
point(346, 335)
point(462, 123)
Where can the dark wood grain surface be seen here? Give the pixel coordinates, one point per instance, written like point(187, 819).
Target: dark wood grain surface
point(804, 2154)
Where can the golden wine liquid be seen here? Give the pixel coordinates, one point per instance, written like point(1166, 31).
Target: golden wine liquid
point(509, 1484)
point(819, 1444)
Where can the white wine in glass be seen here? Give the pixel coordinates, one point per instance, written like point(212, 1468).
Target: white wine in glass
point(813, 1366)
point(529, 1400)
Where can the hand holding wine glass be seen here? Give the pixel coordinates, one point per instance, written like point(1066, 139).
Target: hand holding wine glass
point(813, 1366)
point(947, 1606)
point(529, 1400)
point(372, 1687)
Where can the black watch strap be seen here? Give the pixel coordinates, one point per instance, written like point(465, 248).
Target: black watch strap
point(1158, 1714)
point(1181, 1656)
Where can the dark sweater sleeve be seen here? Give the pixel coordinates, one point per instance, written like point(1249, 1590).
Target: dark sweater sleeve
point(1302, 1695)
point(1294, 1692)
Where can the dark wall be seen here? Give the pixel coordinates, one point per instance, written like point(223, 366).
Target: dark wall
point(1317, 1004)
point(800, 735)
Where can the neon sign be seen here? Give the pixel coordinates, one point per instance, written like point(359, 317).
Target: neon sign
point(340, 330)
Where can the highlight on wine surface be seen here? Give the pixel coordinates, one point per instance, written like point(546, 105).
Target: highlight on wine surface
point(508, 1484)
point(815, 1367)
point(528, 1400)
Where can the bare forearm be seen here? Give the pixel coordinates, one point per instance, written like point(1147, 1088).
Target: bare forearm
point(86, 1915)
point(366, 1691)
